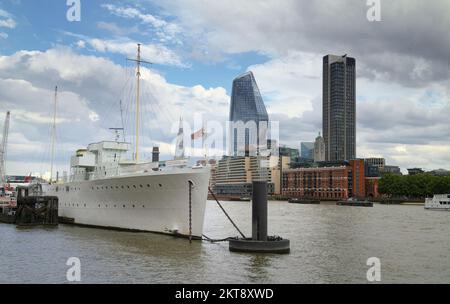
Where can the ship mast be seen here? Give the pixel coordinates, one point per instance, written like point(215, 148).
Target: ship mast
point(138, 102)
point(3, 149)
point(53, 134)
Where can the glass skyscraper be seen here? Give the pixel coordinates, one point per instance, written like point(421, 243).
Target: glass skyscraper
point(339, 107)
point(307, 150)
point(247, 107)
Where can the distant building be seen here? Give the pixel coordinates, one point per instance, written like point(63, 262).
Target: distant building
point(319, 149)
point(235, 175)
point(272, 144)
point(390, 170)
point(293, 154)
point(372, 171)
point(439, 172)
point(247, 107)
point(334, 183)
point(339, 107)
point(374, 166)
point(377, 162)
point(415, 171)
point(307, 150)
point(372, 184)
point(300, 162)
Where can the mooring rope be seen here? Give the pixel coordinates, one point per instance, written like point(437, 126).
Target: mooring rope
point(205, 238)
point(229, 218)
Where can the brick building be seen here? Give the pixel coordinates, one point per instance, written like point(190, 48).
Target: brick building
point(372, 184)
point(335, 183)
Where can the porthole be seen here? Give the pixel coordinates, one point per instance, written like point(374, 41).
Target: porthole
point(160, 185)
point(141, 186)
point(148, 186)
point(124, 206)
point(134, 206)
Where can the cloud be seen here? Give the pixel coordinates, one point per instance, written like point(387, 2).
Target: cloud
point(90, 89)
point(6, 20)
point(156, 53)
point(290, 83)
point(117, 30)
point(81, 44)
point(408, 46)
point(3, 35)
point(166, 31)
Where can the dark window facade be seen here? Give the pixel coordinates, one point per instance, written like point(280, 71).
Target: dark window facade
point(247, 106)
point(339, 107)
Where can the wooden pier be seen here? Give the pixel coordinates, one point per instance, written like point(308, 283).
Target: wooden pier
point(31, 210)
point(39, 210)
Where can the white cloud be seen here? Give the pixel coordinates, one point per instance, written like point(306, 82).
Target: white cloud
point(155, 53)
point(274, 28)
point(6, 20)
point(166, 31)
point(81, 44)
point(94, 116)
point(290, 83)
point(117, 30)
point(3, 35)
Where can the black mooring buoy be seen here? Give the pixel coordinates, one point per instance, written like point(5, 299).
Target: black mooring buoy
point(260, 242)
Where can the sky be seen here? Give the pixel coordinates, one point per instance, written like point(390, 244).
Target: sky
point(197, 48)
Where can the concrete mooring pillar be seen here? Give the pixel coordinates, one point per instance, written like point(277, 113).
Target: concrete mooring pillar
point(260, 242)
point(259, 211)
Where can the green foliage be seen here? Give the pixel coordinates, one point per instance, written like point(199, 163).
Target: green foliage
point(414, 186)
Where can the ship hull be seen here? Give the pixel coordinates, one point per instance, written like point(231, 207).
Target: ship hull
point(154, 202)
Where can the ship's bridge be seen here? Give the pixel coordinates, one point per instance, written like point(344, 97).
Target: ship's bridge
point(98, 160)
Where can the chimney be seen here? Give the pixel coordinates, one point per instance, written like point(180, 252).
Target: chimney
point(155, 157)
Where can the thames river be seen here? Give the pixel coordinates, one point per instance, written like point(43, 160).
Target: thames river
point(329, 244)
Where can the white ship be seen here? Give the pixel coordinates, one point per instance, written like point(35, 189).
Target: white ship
point(107, 190)
point(438, 202)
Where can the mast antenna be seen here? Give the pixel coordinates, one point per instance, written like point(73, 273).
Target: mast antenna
point(3, 149)
point(53, 135)
point(121, 117)
point(116, 132)
point(138, 61)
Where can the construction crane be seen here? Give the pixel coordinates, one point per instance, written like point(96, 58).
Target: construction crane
point(3, 149)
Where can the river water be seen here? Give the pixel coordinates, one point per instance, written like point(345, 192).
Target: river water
point(329, 244)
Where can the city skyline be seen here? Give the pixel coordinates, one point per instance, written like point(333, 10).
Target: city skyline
point(403, 95)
